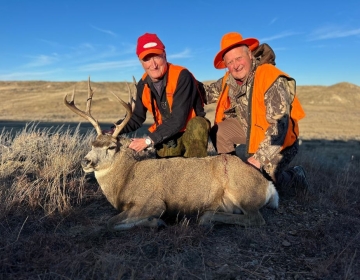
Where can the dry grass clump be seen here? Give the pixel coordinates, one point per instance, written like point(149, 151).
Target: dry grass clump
point(53, 222)
point(40, 169)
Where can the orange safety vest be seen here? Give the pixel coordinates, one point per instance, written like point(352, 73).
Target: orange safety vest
point(172, 79)
point(265, 76)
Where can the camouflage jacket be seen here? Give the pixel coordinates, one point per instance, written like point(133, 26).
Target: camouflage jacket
point(277, 102)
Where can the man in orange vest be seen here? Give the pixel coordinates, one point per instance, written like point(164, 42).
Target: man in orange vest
point(172, 94)
point(257, 106)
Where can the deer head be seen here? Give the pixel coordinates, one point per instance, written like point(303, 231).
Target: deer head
point(104, 147)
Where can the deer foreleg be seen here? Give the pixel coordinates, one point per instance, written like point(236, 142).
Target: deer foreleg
point(247, 219)
point(122, 221)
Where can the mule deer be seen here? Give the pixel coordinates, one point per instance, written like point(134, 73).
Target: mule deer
point(220, 189)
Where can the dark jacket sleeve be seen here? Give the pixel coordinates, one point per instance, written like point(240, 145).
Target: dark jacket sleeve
point(183, 101)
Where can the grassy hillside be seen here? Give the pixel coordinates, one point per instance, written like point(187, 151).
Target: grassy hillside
point(331, 111)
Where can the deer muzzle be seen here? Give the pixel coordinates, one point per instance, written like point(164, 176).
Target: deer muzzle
point(87, 165)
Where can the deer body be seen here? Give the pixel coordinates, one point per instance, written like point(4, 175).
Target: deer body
point(218, 188)
point(146, 189)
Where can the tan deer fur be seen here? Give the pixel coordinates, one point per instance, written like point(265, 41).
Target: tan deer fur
point(220, 189)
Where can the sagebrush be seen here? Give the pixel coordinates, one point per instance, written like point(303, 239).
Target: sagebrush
point(53, 221)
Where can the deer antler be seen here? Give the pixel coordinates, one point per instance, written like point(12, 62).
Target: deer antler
point(119, 127)
point(86, 115)
point(132, 98)
point(129, 109)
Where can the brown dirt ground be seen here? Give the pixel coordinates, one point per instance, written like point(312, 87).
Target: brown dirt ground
point(317, 237)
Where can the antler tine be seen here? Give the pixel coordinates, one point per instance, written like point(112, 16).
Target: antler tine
point(130, 95)
point(89, 99)
point(132, 98)
point(86, 115)
point(119, 127)
point(134, 94)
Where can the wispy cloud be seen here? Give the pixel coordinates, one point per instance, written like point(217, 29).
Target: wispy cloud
point(273, 20)
point(110, 65)
point(104, 31)
point(332, 32)
point(41, 60)
point(85, 57)
point(83, 48)
point(278, 36)
point(41, 75)
point(51, 43)
point(184, 54)
point(100, 54)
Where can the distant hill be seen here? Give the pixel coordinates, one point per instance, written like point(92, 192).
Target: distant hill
point(332, 112)
point(344, 94)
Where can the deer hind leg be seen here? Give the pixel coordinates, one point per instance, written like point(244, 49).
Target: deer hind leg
point(248, 219)
point(122, 221)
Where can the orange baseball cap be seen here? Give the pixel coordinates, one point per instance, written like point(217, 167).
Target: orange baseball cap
point(149, 43)
point(229, 41)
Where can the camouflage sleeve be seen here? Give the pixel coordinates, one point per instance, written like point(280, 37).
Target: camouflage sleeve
point(213, 91)
point(277, 102)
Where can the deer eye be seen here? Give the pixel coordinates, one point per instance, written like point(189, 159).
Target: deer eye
point(111, 147)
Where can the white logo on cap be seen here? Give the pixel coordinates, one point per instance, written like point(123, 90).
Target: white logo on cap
point(149, 45)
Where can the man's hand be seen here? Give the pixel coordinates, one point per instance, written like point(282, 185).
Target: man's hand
point(138, 144)
point(254, 162)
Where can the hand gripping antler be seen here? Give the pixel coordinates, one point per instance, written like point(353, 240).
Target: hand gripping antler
point(86, 115)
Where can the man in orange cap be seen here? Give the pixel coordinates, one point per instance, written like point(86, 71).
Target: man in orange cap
point(171, 93)
point(257, 107)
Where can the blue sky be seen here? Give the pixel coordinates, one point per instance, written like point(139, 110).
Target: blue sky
point(316, 42)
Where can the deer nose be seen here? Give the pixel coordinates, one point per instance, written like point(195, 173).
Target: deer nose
point(85, 162)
